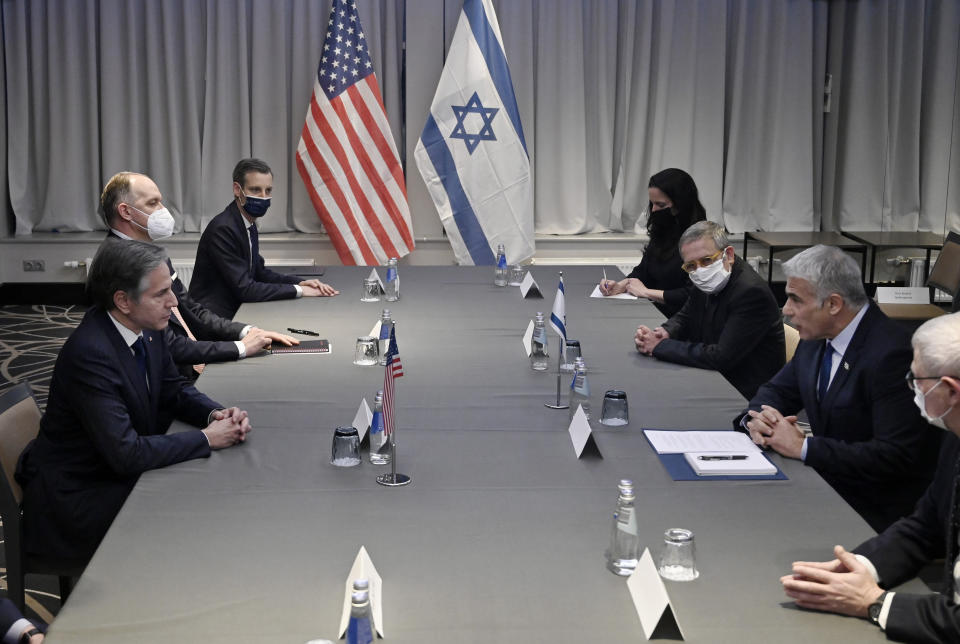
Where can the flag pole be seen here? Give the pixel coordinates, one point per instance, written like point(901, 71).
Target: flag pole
point(393, 479)
point(558, 404)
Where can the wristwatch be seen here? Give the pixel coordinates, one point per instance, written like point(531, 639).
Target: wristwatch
point(874, 610)
point(25, 637)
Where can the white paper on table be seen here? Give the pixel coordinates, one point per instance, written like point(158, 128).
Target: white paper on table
point(755, 464)
point(527, 338)
point(621, 296)
point(649, 595)
point(374, 275)
point(677, 442)
point(363, 568)
point(375, 331)
point(529, 287)
point(363, 419)
point(581, 434)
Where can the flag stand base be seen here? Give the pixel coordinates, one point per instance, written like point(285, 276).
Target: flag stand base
point(553, 406)
point(393, 480)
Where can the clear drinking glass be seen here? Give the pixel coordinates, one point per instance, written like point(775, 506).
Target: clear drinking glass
point(345, 451)
point(678, 561)
point(614, 412)
point(571, 355)
point(367, 352)
point(517, 274)
point(371, 290)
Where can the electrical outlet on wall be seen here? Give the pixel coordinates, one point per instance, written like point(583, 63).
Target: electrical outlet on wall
point(34, 265)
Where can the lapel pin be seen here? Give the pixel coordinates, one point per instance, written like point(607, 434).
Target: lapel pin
point(846, 365)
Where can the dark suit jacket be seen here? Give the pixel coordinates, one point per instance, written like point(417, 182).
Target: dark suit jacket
point(101, 430)
point(664, 273)
point(910, 543)
point(222, 275)
point(213, 333)
point(869, 441)
point(738, 331)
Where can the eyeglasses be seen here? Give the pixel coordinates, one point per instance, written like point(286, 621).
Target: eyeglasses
point(912, 379)
point(703, 262)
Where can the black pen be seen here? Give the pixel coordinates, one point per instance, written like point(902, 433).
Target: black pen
point(302, 331)
point(725, 457)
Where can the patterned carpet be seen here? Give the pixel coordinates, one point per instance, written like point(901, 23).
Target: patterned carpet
point(30, 339)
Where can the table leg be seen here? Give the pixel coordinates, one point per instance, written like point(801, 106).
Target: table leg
point(770, 267)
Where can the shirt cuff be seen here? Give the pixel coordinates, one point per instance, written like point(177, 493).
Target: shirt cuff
point(242, 348)
point(885, 610)
point(12, 635)
point(210, 417)
point(299, 290)
point(744, 421)
point(245, 330)
point(803, 450)
point(869, 566)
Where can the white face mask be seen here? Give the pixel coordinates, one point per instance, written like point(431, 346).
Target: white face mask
point(712, 278)
point(160, 223)
point(919, 399)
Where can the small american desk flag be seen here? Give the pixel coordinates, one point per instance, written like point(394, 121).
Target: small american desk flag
point(393, 371)
point(347, 157)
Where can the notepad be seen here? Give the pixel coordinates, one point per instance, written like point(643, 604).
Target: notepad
point(756, 464)
point(307, 346)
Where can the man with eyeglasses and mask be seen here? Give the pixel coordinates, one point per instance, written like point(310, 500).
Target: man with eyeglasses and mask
point(132, 208)
point(229, 269)
point(868, 440)
point(730, 323)
point(857, 583)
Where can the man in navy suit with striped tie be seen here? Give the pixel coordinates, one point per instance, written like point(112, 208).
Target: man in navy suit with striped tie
point(869, 442)
point(114, 393)
point(229, 270)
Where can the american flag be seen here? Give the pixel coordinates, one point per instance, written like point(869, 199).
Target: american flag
point(393, 371)
point(347, 157)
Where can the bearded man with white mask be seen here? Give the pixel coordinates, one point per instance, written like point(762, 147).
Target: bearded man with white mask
point(730, 323)
point(856, 583)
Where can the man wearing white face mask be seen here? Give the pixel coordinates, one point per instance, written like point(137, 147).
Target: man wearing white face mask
point(132, 208)
point(855, 583)
point(730, 323)
point(229, 269)
point(868, 440)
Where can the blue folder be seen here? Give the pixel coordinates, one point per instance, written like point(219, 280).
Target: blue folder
point(679, 469)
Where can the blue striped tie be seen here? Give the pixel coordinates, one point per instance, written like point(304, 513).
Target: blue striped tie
point(826, 364)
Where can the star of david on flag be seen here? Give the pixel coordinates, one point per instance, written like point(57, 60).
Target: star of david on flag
point(472, 153)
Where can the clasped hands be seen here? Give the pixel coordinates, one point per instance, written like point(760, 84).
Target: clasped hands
point(844, 585)
point(227, 427)
point(647, 339)
point(769, 428)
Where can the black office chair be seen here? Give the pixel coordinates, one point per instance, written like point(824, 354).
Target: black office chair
point(946, 271)
point(19, 424)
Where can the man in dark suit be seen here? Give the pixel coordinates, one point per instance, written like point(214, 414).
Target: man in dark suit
point(229, 269)
point(132, 207)
point(113, 395)
point(730, 323)
point(853, 584)
point(869, 442)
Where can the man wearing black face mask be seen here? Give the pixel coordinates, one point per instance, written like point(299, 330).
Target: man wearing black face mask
point(229, 269)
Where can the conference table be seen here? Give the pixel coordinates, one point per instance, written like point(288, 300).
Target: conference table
point(501, 534)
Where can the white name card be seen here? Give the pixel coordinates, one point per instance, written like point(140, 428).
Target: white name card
point(529, 287)
point(363, 419)
point(528, 338)
point(582, 435)
point(650, 599)
point(375, 331)
point(374, 275)
point(363, 568)
point(903, 295)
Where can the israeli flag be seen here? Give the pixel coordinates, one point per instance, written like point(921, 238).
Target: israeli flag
point(558, 318)
point(472, 154)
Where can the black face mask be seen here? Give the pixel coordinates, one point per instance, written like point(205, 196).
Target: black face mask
point(661, 222)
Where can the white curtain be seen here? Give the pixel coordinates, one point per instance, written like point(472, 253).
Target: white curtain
point(609, 92)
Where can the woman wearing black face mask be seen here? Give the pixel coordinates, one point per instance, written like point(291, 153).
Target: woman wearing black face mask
point(674, 206)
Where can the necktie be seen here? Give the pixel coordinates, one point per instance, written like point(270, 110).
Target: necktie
point(140, 354)
point(826, 364)
point(176, 313)
point(254, 243)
